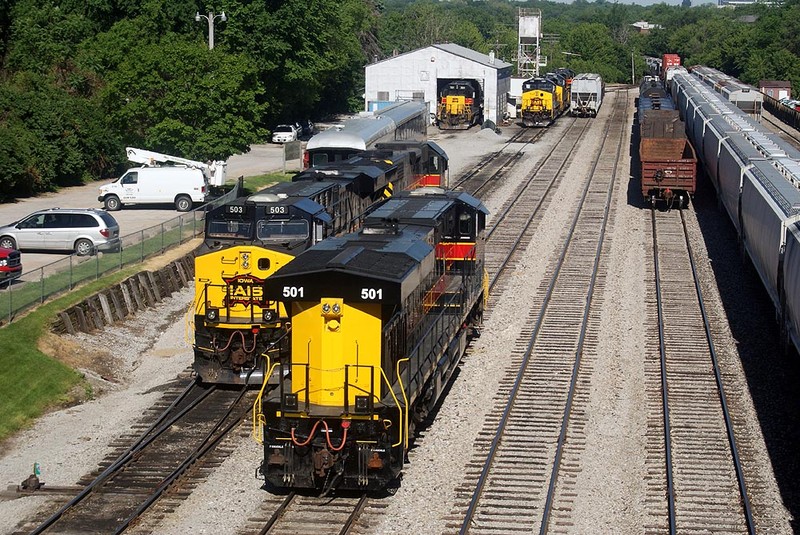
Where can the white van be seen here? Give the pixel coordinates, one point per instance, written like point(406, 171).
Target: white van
point(178, 185)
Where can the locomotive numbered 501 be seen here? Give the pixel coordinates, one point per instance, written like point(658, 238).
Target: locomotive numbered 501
point(380, 320)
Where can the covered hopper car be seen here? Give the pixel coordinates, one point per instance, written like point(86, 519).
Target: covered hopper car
point(756, 175)
point(586, 95)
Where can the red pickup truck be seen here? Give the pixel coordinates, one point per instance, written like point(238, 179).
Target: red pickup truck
point(10, 265)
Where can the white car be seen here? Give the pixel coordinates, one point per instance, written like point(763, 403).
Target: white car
point(284, 133)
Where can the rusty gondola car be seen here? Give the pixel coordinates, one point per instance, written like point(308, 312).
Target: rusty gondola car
point(668, 160)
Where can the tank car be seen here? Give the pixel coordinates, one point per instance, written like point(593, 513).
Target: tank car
point(460, 105)
point(380, 320)
point(757, 179)
point(540, 103)
point(668, 161)
point(235, 325)
point(401, 121)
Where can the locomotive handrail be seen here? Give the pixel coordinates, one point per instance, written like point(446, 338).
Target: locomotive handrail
point(403, 437)
point(258, 413)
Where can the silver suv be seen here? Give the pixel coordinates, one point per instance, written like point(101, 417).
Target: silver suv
point(83, 230)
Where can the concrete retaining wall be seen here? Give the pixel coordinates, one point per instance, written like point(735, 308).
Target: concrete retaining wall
point(143, 290)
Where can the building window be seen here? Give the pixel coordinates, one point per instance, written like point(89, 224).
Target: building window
point(418, 95)
point(383, 95)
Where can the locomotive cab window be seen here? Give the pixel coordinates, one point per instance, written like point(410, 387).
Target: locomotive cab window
point(281, 230)
point(229, 229)
point(465, 226)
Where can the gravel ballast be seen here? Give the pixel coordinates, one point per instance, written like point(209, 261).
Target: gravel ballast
point(149, 350)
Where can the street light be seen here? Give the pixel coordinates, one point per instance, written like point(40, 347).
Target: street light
point(210, 18)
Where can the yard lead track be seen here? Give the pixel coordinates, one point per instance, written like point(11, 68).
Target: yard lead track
point(521, 466)
point(135, 478)
point(295, 514)
point(697, 484)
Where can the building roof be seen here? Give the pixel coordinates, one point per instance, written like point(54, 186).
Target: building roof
point(775, 83)
point(472, 55)
point(644, 25)
point(458, 50)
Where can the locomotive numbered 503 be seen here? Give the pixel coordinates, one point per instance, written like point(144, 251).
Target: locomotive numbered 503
point(235, 324)
point(380, 320)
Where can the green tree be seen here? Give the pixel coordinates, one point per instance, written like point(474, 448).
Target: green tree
point(175, 97)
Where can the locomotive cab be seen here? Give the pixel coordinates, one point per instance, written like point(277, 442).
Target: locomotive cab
point(234, 325)
point(538, 102)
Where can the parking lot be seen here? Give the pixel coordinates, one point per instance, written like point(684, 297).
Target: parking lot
point(261, 159)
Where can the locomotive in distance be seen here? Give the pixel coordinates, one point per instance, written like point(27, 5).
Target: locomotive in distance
point(380, 320)
point(546, 97)
point(460, 105)
point(234, 324)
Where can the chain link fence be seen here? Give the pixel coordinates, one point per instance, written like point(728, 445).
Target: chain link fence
point(63, 275)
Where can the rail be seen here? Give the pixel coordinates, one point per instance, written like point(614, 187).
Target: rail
point(62, 276)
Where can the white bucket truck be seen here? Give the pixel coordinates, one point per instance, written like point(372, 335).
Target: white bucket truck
point(163, 179)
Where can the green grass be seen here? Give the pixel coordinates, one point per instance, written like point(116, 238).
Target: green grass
point(253, 184)
point(30, 381)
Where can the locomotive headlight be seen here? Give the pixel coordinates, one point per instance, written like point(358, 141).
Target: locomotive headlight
point(331, 308)
point(269, 316)
point(212, 315)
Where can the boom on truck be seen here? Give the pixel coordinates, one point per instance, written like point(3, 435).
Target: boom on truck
point(163, 179)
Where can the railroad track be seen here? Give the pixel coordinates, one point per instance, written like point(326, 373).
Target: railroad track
point(293, 514)
point(163, 460)
point(696, 481)
point(491, 169)
point(512, 227)
point(520, 477)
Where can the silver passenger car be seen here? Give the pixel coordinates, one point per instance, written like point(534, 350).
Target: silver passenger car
point(82, 230)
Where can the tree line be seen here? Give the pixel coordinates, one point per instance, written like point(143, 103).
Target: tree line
point(82, 79)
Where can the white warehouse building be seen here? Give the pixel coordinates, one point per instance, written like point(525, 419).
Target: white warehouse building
point(422, 73)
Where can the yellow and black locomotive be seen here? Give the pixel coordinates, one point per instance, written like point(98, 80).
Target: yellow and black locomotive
point(380, 320)
point(460, 105)
point(235, 325)
point(540, 101)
